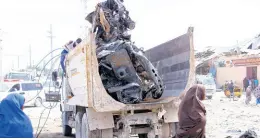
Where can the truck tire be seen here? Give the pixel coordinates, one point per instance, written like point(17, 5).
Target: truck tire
point(166, 132)
point(86, 133)
point(173, 128)
point(209, 97)
point(66, 130)
point(142, 135)
point(78, 124)
point(38, 102)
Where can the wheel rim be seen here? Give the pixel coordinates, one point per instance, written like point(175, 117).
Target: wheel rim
point(38, 102)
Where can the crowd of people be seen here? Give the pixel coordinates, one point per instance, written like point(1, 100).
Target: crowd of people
point(251, 86)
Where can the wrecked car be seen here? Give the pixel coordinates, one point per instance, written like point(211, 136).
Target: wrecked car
point(127, 75)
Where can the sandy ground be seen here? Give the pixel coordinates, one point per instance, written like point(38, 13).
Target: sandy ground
point(224, 118)
point(231, 118)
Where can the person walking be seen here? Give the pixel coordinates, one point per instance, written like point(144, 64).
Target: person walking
point(192, 114)
point(245, 83)
point(252, 83)
point(14, 123)
point(231, 89)
point(248, 94)
point(255, 82)
point(256, 93)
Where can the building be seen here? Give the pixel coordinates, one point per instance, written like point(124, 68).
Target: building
point(237, 68)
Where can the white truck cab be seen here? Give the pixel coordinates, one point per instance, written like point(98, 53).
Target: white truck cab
point(18, 76)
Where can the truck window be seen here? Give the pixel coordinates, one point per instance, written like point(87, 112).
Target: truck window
point(15, 88)
point(31, 86)
point(20, 76)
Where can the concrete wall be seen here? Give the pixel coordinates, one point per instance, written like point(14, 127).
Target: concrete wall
point(236, 74)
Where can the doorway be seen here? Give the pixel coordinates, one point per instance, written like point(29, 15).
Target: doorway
point(251, 72)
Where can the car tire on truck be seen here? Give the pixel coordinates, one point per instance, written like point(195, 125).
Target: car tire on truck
point(66, 129)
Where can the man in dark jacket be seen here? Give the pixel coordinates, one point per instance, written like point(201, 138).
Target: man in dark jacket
point(245, 83)
point(231, 89)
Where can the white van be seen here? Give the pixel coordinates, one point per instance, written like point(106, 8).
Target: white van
point(209, 84)
point(32, 92)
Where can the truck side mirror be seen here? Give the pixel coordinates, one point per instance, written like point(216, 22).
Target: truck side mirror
point(57, 84)
point(54, 76)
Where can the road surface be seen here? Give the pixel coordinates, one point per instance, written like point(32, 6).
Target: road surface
point(224, 118)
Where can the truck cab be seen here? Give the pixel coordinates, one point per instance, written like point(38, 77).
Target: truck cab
point(14, 76)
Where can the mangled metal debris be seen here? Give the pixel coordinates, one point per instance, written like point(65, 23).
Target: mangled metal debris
point(126, 73)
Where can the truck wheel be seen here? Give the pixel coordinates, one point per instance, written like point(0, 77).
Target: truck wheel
point(38, 102)
point(86, 133)
point(142, 136)
point(166, 133)
point(78, 124)
point(173, 128)
point(66, 130)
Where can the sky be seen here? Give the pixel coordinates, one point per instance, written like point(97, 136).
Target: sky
point(217, 23)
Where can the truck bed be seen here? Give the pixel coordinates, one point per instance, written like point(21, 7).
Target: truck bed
point(173, 59)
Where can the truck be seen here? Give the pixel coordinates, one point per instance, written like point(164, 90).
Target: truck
point(14, 76)
point(87, 107)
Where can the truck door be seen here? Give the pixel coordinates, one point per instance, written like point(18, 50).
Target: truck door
point(175, 63)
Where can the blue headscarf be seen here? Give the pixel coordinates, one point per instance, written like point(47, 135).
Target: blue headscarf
point(14, 123)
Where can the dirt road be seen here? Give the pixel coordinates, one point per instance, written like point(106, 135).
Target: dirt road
point(231, 118)
point(224, 118)
point(52, 128)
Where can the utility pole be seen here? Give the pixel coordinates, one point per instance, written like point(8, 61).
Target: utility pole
point(51, 38)
point(30, 56)
point(1, 62)
point(18, 62)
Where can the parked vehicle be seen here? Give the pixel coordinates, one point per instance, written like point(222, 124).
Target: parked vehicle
point(209, 84)
point(15, 76)
point(32, 91)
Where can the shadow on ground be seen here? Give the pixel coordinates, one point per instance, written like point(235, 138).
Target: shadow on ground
point(54, 135)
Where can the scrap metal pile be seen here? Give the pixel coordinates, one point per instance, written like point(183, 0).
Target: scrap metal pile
point(127, 75)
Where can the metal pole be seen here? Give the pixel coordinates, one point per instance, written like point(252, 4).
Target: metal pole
point(1, 62)
point(18, 60)
point(51, 37)
point(30, 56)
